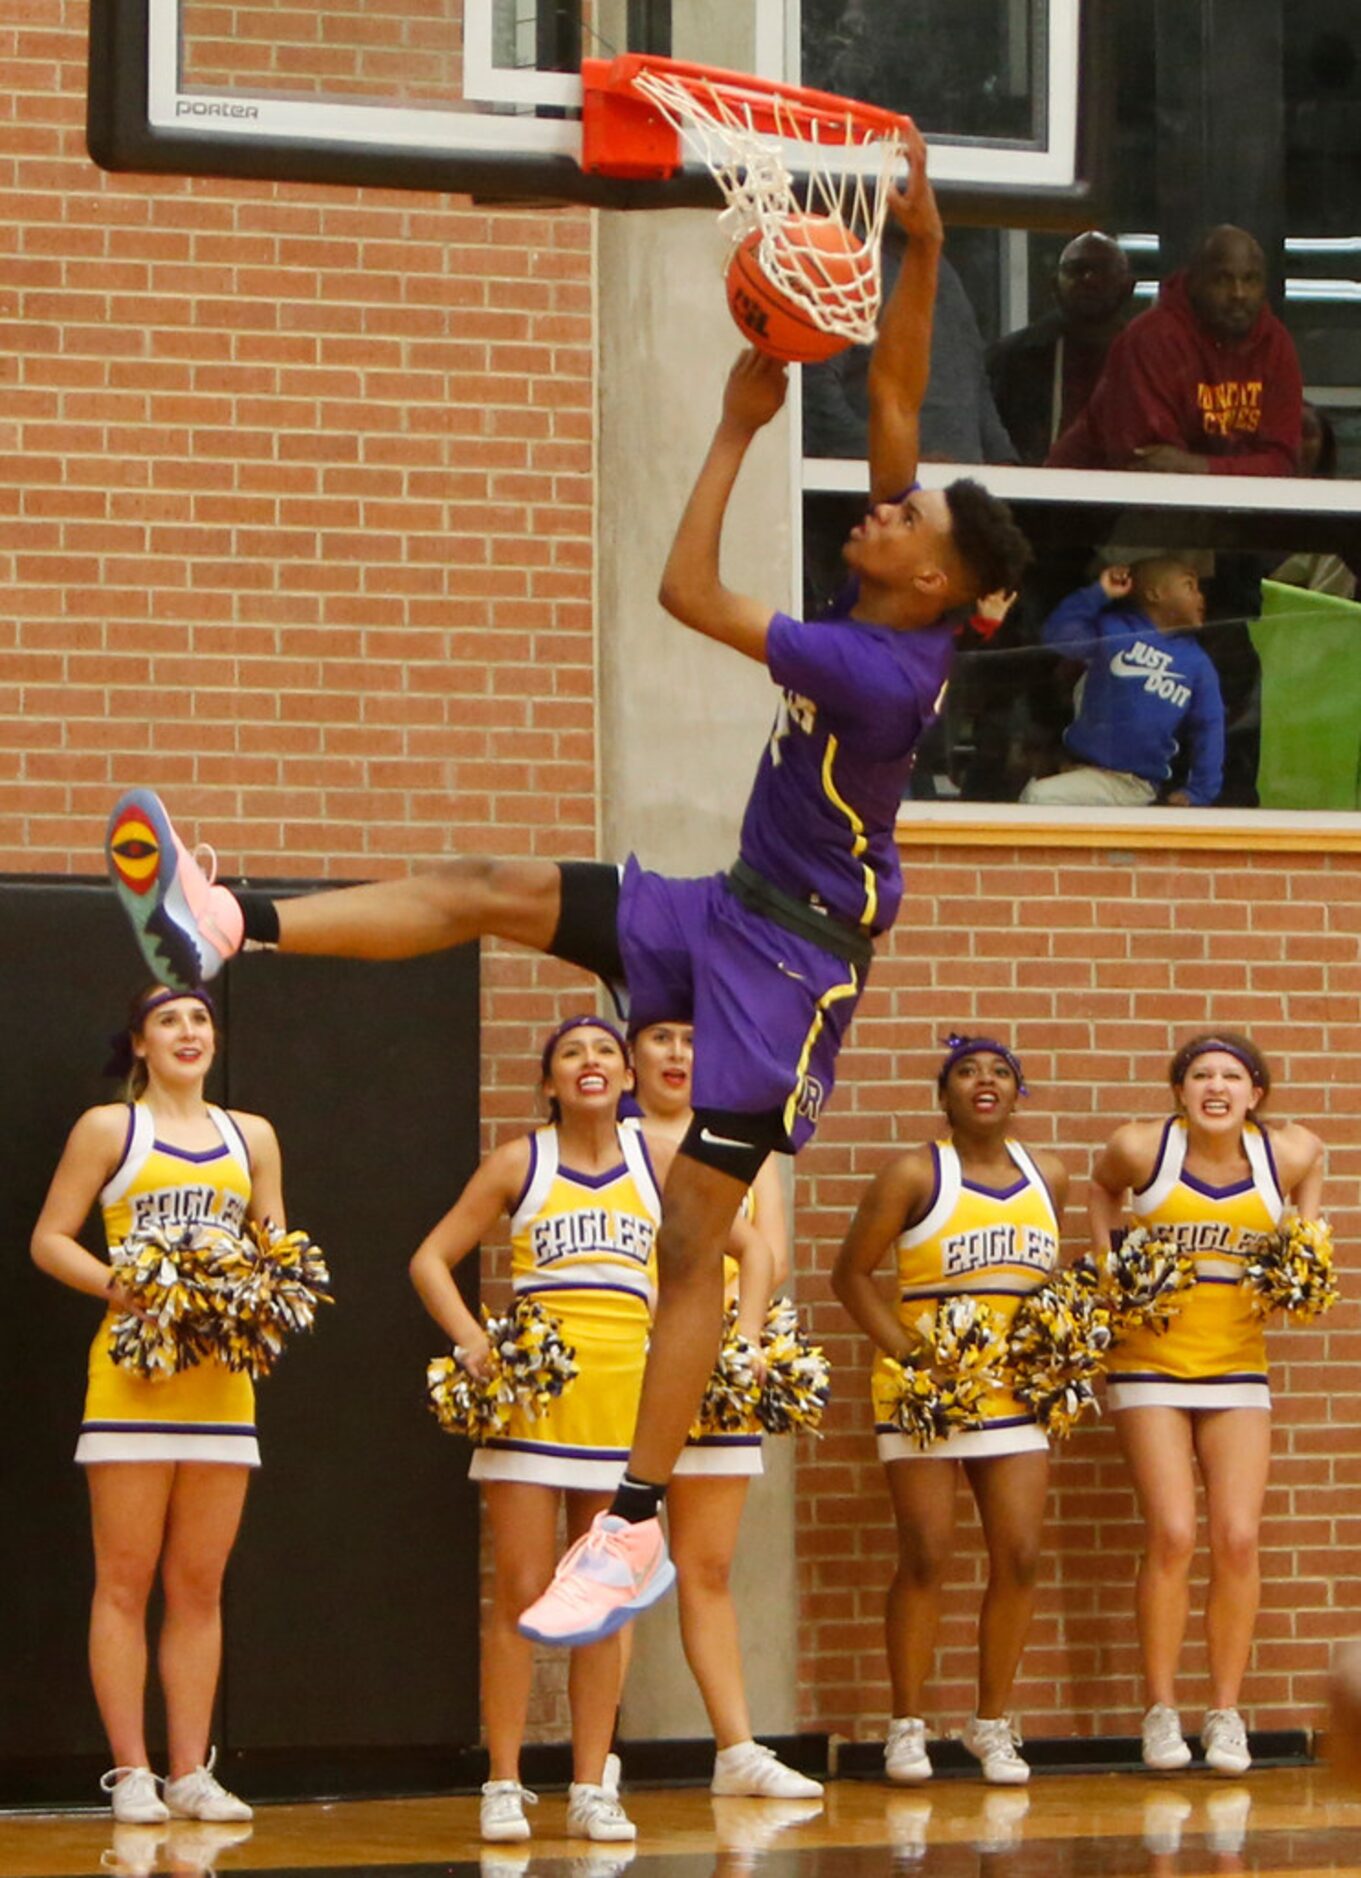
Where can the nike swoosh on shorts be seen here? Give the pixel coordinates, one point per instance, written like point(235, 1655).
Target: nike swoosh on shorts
point(721, 1141)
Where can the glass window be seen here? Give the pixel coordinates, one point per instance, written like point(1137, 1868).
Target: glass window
point(1085, 697)
point(970, 69)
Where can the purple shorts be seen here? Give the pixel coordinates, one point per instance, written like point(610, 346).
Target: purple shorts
point(769, 1008)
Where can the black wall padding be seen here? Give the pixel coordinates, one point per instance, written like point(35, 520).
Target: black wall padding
point(352, 1600)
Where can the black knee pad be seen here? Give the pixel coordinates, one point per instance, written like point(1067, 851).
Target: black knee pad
point(735, 1143)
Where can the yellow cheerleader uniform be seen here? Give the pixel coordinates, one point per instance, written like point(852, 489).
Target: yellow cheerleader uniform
point(583, 1246)
point(736, 1451)
point(1213, 1353)
point(202, 1414)
point(976, 1241)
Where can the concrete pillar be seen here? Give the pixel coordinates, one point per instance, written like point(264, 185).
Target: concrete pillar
point(682, 723)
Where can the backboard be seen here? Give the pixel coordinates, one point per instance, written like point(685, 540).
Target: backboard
point(483, 96)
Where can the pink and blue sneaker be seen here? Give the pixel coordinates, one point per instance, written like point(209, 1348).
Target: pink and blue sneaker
point(612, 1572)
point(185, 924)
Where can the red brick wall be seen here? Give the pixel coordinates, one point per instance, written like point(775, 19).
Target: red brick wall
point(1094, 964)
point(297, 492)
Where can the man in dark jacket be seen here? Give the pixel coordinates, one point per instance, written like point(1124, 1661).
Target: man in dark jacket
point(1205, 382)
point(1043, 375)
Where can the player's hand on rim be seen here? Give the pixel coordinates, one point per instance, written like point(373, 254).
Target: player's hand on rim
point(913, 204)
point(755, 390)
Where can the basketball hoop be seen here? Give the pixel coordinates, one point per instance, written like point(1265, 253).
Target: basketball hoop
point(637, 110)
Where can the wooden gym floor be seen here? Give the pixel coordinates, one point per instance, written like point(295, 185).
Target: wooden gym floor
point(1299, 1821)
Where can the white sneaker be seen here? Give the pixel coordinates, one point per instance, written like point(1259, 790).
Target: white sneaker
point(1225, 1741)
point(133, 1796)
point(595, 1813)
point(1163, 1746)
point(613, 1774)
point(502, 1815)
point(905, 1756)
point(753, 1772)
point(200, 1796)
point(993, 1740)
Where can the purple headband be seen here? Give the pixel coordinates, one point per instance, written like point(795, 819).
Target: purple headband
point(957, 1047)
point(584, 1020)
point(1182, 1062)
point(121, 1058)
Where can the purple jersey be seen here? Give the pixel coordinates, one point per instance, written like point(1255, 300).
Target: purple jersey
point(857, 698)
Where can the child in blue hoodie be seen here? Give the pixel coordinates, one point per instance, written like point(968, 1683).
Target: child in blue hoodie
point(1149, 689)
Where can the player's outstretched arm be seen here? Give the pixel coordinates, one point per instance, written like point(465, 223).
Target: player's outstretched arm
point(901, 362)
point(692, 588)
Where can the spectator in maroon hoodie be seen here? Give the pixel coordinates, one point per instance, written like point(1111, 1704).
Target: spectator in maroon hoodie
point(1205, 382)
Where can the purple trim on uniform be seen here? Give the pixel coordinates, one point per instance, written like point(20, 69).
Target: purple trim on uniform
point(1018, 1185)
point(592, 1181)
point(723, 1441)
point(127, 1138)
point(647, 1157)
point(1002, 1421)
point(1044, 1182)
point(191, 1154)
point(167, 1428)
point(552, 1447)
point(250, 1163)
point(1160, 1156)
point(1216, 1193)
point(972, 1291)
point(529, 1177)
point(1270, 1158)
point(909, 1224)
point(1210, 1278)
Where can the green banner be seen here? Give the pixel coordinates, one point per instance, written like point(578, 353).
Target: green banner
point(1310, 648)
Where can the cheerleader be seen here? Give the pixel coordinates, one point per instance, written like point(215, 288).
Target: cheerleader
point(1195, 1396)
point(709, 1487)
point(166, 1460)
point(975, 1214)
point(583, 1200)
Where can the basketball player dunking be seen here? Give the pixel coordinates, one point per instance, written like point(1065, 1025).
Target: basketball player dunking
point(770, 958)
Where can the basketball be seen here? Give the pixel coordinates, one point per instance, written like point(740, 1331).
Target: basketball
point(825, 254)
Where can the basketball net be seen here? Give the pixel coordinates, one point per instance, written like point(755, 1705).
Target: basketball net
point(839, 293)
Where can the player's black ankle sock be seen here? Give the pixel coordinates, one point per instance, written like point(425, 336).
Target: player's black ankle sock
point(637, 1500)
point(260, 918)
